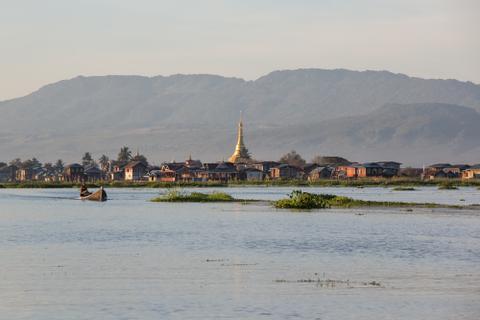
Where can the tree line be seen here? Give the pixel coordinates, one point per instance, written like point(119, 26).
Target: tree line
point(124, 156)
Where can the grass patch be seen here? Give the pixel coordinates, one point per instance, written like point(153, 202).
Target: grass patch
point(178, 196)
point(447, 186)
point(400, 188)
point(304, 200)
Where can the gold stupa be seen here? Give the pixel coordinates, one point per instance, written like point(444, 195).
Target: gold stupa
point(241, 153)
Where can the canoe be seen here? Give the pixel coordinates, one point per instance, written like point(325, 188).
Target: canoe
point(99, 195)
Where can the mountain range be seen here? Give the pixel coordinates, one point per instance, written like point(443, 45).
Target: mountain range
point(363, 116)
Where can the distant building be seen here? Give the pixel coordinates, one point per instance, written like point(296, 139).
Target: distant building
point(264, 166)
point(386, 169)
point(162, 176)
point(443, 171)
point(370, 169)
point(93, 174)
point(390, 168)
point(307, 168)
point(472, 172)
point(241, 153)
point(223, 171)
point(285, 172)
point(25, 174)
point(135, 171)
point(8, 173)
point(251, 174)
point(320, 173)
point(73, 173)
point(346, 171)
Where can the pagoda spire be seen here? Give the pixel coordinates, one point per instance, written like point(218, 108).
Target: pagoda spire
point(241, 152)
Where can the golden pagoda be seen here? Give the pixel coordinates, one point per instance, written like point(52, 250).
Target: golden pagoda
point(241, 153)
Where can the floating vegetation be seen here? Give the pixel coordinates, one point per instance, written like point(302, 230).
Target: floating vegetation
point(215, 260)
point(299, 199)
point(178, 196)
point(447, 186)
point(332, 283)
point(305, 200)
point(400, 188)
point(175, 195)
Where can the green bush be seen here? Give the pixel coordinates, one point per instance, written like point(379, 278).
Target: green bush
point(304, 200)
point(404, 189)
point(447, 186)
point(177, 196)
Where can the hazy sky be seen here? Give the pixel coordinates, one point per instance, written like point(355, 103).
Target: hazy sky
point(49, 40)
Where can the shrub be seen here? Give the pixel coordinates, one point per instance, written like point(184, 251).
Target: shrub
point(404, 189)
point(176, 196)
point(304, 200)
point(447, 186)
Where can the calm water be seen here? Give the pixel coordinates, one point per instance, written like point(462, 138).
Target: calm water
point(62, 258)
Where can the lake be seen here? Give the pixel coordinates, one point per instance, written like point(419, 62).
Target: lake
point(62, 258)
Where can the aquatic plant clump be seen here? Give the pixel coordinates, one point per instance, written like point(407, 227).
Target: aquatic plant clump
point(404, 189)
point(447, 186)
point(304, 200)
point(177, 196)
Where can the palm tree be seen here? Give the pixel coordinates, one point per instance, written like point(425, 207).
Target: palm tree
point(124, 155)
point(59, 166)
point(104, 162)
point(87, 159)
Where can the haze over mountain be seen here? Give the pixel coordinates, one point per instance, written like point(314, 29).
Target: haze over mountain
point(360, 115)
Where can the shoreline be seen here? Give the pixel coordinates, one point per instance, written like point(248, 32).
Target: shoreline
point(360, 183)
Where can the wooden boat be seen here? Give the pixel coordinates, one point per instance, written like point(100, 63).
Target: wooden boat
point(99, 195)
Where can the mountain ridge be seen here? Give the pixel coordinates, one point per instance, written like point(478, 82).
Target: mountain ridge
point(187, 111)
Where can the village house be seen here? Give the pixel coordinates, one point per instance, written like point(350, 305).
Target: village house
point(251, 174)
point(443, 171)
point(93, 174)
point(346, 171)
point(135, 171)
point(390, 168)
point(223, 171)
point(190, 174)
point(320, 173)
point(436, 171)
point(285, 172)
point(264, 166)
point(371, 169)
point(8, 173)
point(44, 175)
point(25, 174)
point(73, 173)
point(455, 171)
point(356, 170)
point(161, 176)
point(307, 168)
point(472, 172)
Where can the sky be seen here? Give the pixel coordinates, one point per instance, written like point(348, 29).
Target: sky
point(46, 41)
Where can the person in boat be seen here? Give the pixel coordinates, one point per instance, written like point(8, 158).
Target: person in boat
point(84, 191)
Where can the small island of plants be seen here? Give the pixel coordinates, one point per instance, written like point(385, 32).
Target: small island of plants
point(447, 186)
point(304, 200)
point(400, 188)
point(179, 196)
